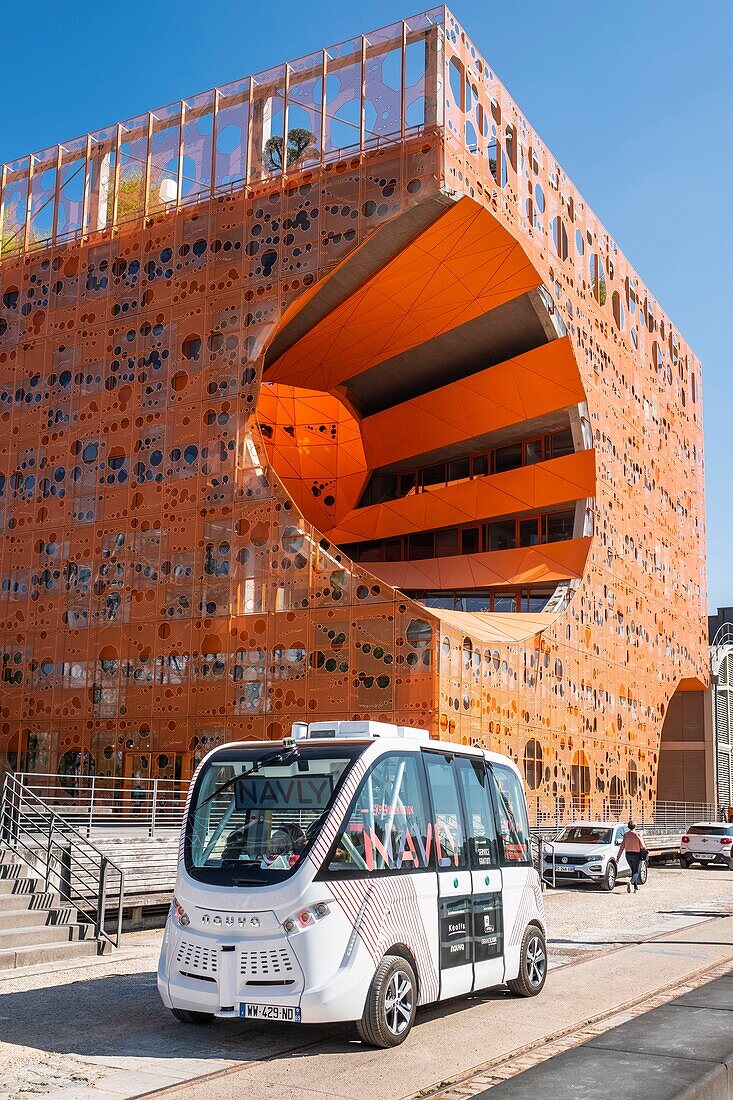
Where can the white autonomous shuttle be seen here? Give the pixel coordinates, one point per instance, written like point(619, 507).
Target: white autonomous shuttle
point(351, 872)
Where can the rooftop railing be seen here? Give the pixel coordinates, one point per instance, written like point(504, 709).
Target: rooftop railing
point(354, 97)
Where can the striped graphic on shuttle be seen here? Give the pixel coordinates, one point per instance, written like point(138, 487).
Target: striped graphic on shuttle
point(384, 912)
point(531, 907)
point(191, 786)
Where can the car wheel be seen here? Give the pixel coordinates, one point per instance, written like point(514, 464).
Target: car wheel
point(198, 1018)
point(686, 862)
point(391, 1003)
point(609, 878)
point(532, 964)
point(643, 872)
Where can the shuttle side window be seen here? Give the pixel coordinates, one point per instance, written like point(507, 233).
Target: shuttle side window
point(387, 829)
point(450, 842)
point(512, 816)
point(482, 841)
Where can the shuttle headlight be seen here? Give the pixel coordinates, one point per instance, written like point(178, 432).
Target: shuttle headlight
point(304, 918)
point(180, 913)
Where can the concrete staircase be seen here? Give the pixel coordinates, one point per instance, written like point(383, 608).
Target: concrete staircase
point(37, 926)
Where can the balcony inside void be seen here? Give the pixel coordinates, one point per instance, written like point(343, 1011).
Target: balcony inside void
point(432, 425)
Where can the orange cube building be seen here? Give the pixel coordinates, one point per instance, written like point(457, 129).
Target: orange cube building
point(325, 395)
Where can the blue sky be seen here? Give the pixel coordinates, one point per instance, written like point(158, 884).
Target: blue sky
point(635, 99)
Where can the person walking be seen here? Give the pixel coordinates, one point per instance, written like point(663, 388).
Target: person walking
point(633, 846)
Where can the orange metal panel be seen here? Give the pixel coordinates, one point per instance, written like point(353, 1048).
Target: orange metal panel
point(539, 382)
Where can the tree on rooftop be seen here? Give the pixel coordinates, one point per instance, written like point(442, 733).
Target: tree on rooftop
point(299, 142)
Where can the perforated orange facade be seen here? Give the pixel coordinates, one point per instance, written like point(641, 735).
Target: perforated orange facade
point(325, 395)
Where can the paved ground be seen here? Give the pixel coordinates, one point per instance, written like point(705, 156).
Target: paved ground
point(97, 1031)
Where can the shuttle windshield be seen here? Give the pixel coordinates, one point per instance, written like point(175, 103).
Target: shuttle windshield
point(254, 812)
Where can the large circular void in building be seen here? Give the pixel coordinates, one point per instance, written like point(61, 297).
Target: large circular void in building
point(426, 415)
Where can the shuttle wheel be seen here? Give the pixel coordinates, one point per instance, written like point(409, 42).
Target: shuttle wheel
point(532, 964)
point(391, 1003)
point(187, 1017)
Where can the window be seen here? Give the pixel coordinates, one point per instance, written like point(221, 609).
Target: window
point(450, 846)
point(369, 551)
point(408, 484)
point(473, 601)
point(459, 469)
point(507, 458)
point(534, 599)
point(393, 550)
point(632, 778)
point(433, 475)
point(586, 834)
point(383, 487)
point(421, 545)
point(474, 782)
point(503, 535)
point(470, 540)
point(505, 601)
point(388, 826)
point(253, 814)
point(480, 466)
point(533, 451)
point(533, 764)
point(580, 781)
point(446, 543)
point(560, 526)
point(513, 826)
point(562, 444)
point(529, 532)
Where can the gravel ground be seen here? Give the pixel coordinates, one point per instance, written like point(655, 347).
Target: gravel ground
point(584, 918)
point(102, 1019)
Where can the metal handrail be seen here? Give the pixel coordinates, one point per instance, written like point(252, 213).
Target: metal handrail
point(95, 803)
point(70, 864)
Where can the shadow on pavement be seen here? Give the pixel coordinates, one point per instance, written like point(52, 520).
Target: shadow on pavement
point(121, 1016)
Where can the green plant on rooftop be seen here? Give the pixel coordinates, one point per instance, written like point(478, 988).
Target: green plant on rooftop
point(300, 142)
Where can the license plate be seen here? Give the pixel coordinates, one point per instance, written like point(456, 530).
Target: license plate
point(703, 857)
point(566, 867)
point(270, 1012)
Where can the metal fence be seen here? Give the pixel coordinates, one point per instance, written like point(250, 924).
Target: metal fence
point(94, 803)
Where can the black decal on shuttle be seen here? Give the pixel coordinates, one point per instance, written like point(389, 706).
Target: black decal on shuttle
point(455, 932)
point(488, 927)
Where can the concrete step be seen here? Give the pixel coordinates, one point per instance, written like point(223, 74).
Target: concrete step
point(40, 899)
point(20, 885)
point(37, 918)
point(54, 933)
point(31, 955)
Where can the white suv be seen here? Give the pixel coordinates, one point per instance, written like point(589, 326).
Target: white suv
point(707, 842)
point(585, 851)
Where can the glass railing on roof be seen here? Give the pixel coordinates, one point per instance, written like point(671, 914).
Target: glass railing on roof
point(358, 95)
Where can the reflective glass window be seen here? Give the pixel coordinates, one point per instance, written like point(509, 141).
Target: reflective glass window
point(388, 827)
point(512, 815)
